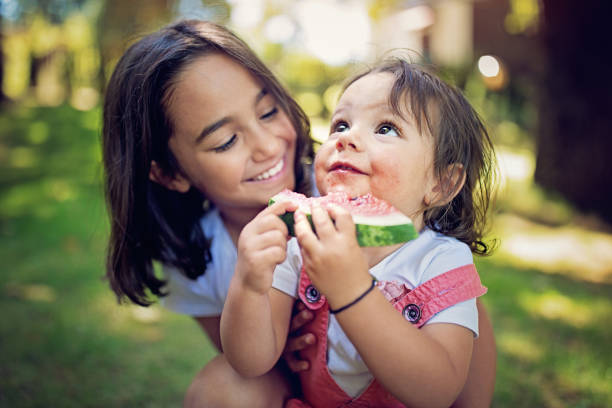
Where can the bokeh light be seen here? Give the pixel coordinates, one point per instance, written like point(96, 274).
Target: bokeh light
point(488, 66)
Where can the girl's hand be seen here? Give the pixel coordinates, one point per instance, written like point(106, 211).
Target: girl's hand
point(261, 246)
point(332, 257)
point(298, 341)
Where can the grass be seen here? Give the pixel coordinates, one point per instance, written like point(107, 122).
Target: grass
point(64, 342)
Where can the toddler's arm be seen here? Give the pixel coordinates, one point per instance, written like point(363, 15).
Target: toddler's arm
point(426, 367)
point(255, 318)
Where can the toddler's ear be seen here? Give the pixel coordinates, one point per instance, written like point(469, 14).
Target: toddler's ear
point(174, 183)
point(448, 186)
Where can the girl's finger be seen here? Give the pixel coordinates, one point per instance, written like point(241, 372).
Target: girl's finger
point(300, 342)
point(281, 207)
point(295, 364)
point(300, 319)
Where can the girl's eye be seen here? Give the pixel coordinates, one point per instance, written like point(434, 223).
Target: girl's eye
point(387, 129)
point(225, 145)
point(269, 113)
point(339, 127)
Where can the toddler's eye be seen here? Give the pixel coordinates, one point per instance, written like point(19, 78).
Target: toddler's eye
point(389, 130)
point(339, 127)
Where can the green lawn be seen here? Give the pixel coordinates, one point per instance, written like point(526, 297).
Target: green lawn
point(64, 342)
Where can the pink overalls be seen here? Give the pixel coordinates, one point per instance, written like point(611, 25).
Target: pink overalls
point(417, 306)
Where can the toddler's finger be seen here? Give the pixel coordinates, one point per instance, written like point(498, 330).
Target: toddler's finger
point(343, 219)
point(303, 231)
point(322, 222)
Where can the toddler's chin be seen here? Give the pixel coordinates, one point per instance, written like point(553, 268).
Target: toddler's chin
point(338, 188)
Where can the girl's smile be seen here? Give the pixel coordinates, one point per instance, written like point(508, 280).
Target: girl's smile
point(271, 172)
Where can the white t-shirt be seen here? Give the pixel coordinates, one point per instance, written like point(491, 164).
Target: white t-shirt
point(416, 262)
point(204, 296)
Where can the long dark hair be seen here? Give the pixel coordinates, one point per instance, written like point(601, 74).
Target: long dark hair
point(148, 221)
point(460, 138)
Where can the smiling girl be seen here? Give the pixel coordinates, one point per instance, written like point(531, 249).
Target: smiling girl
point(197, 135)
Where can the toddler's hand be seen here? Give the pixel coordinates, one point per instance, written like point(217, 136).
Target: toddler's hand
point(261, 246)
point(332, 257)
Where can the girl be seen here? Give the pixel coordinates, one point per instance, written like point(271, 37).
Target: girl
point(197, 135)
point(408, 138)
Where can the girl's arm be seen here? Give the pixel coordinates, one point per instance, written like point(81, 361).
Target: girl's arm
point(211, 326)
point(255, 318)
point(426, 367)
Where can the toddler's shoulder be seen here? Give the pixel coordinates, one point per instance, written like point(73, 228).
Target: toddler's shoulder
point(442, 253)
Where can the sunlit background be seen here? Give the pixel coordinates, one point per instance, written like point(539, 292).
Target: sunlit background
point(535, 70)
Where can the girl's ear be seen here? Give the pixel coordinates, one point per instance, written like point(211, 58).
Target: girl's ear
point(448, 185)
point(175, 183)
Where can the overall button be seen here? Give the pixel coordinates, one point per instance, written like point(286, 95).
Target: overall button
point(312, 294)
point(412, 313)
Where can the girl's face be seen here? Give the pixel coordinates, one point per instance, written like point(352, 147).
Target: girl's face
point(371, 149)
point(231, 138)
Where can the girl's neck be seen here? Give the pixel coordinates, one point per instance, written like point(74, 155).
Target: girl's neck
point(235, 221)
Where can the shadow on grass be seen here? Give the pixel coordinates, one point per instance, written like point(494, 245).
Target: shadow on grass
point(553, 337)
point(65, 341)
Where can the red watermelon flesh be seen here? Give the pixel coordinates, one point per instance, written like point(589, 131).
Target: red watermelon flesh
point(378, 223)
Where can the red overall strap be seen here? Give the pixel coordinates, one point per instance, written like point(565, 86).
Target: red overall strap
point(418, 306)
point(318, 386)
point(308, 294)
point(423, 302)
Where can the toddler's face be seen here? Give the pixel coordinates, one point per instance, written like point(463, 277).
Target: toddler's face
point(371, 149)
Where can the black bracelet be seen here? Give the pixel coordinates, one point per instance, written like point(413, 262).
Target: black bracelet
point(334, 311)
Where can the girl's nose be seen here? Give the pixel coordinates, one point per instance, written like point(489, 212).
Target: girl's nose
point(263, 144)
point(348, 141)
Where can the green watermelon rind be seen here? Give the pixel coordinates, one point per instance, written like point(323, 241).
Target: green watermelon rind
point(367, 235)
point(375, 235)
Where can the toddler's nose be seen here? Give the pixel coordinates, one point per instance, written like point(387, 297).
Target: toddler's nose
point(348, 141)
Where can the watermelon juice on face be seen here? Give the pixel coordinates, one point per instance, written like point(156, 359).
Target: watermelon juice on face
point(373, 149)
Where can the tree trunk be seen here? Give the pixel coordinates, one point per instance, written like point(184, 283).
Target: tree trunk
point(575, 121)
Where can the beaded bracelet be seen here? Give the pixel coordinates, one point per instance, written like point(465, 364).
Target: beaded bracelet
point(368, 290)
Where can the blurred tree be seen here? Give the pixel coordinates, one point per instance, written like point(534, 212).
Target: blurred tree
point(2, 94)
point(575, 124)
point(122, 22)
point(38, 57)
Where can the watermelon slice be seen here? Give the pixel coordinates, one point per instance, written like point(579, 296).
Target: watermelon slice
point(378, 223)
